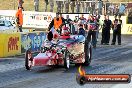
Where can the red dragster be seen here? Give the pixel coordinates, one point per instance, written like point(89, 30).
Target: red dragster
point(68, 49)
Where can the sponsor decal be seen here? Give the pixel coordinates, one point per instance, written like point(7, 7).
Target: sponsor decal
point(10, 18)
point(13, 43)
point(32, 41)
point(129, 29)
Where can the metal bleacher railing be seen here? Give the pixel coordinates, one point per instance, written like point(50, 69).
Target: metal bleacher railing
point(87, 6)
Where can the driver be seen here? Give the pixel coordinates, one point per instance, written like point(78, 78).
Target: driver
point(65, 34)
point(65, 31)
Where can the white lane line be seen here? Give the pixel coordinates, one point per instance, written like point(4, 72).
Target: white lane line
point(129, 85)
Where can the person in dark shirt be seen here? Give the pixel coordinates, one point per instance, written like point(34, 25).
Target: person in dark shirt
point(55, 23)
point(81, 30)
point(58, 19)
point(106, 31)
point(83, 20)
point(97, 19)
point(117, 30)
point(68, 20)
point(91, 32)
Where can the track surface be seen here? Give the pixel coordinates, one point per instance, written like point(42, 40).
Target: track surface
point(107, 59)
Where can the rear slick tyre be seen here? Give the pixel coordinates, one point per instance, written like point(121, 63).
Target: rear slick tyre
point(28, 60)
point(66, 59)
point(88, 54)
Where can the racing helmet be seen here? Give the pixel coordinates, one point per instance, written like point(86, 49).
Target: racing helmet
point(65, 31)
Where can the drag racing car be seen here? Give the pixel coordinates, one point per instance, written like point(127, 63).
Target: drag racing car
point(66, 50)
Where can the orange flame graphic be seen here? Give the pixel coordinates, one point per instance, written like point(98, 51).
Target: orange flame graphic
point(81, 71)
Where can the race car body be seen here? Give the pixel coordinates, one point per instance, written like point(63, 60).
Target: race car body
point(71, 49)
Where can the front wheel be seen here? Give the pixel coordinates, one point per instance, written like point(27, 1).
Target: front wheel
point(88, 54)
point(66, 59)
point(28, 60)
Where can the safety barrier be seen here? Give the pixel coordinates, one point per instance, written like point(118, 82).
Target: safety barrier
point(31, 19)
point(32, 41)
point(127, 29)
point(12, 44)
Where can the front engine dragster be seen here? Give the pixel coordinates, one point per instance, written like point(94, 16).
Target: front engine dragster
point(66, 51)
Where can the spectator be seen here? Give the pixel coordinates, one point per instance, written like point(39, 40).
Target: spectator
point(54, 26)
point(82, 19)
point(62, 6)
point(36, 5)
point(117, 30)
point(46, 4)
point(19, 17)
point(51, 5)
point(66, 6)
point(81, 30)
point(92, 7)
point(83, 7)
point(116, 10)
point(76, 26)
point(97, 19)
point(107, 7)
point(72, 5)
point(68, 20)
point(78, 4)
point(106, 31)
point(56, 22)
point(86, 7)
point(111, 8)
point(20, 3)
point(59, 6)
point(91, 33)
point(100, 7)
